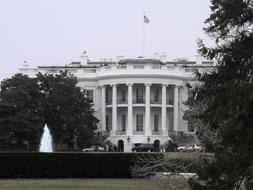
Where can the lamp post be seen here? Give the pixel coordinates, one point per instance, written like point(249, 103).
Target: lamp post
point(148, 139)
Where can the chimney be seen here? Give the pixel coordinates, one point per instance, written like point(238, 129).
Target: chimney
point(198, 59)
point(163, 57)
point(156, 55)
point(84, 58)
point(25, 65)
point(119, 57)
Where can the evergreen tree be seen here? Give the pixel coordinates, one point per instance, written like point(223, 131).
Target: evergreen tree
point(224, 100)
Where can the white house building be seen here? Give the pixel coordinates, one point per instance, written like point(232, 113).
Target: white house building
point(137, 101)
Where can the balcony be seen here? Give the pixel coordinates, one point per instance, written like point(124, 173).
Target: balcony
point(120, 132)
point(170, 102)
point(122, 101)
point(108, 102)
point(138, 132)
point(139, 101)
point(156, 132)
point(155, 101)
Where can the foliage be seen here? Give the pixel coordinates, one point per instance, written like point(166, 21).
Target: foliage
point(65, 109)
point(26, 104)
point(223, 102)
point(20, 123)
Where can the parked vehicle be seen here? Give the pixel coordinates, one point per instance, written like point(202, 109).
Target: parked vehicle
point(143, 148)
point(190, 148)
point(93, 149)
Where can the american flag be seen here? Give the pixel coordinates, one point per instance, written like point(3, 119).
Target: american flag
point(146, 20)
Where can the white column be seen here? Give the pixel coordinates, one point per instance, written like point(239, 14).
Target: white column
point(147, 110)
point(130, 110)
point(175, 108)
point(103, 109)
point(114, 109)
point(164, 110)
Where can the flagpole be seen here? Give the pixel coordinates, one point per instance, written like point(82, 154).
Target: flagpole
point(143, 35)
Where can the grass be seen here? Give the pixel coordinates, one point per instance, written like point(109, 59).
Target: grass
point(185, 155)
point(75, 184)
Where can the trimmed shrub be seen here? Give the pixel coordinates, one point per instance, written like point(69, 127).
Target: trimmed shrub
point(66, 165)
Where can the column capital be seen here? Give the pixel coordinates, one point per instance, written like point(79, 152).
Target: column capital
point(165, 84)
point(148, 84)
point(114, 84)
point(129, 84)
point(101, 86)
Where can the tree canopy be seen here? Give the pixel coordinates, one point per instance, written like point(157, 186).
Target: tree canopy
point(66, 110)
point(26, 104)
point(223, 102)
point(20, 123)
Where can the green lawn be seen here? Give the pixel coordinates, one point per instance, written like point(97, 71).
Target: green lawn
point(76, 184)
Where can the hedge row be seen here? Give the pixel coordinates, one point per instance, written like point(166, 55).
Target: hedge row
point(66, 165)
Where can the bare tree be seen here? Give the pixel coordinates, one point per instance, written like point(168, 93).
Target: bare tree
point(165, 173)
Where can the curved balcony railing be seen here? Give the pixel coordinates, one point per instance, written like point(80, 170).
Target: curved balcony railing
point(170, 102)
point(155, 101)
point(139, 101)
point(122, 101)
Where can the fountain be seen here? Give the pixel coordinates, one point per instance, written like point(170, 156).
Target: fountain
point(46, 141)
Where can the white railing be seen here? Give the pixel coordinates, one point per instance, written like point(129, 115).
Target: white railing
point(138, 132)
point(156, 132)
point(120, 132)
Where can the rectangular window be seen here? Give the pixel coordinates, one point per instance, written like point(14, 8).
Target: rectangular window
point(139, 95)
point(156, 98)
point(89, 94)
point(171, 120)
point(156, 122)
point(107, 123)
point(123, 124)
point(106, 96)
point(139, 122)
point(170, 96)
point(123, 92)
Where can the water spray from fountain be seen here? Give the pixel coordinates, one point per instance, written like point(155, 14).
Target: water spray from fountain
point(46, 141)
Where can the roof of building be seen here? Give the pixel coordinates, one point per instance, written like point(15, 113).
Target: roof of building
point(188, 62)
point(96, 64)
point(140, 61)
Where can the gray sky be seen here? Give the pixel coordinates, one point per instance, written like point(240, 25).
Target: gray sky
point(53, 32)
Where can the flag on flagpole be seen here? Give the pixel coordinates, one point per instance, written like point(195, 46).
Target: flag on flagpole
point(146, 20)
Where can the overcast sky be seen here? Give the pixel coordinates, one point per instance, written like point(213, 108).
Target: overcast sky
point(53, 32)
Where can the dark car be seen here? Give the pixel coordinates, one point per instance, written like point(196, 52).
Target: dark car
point(143, 148)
